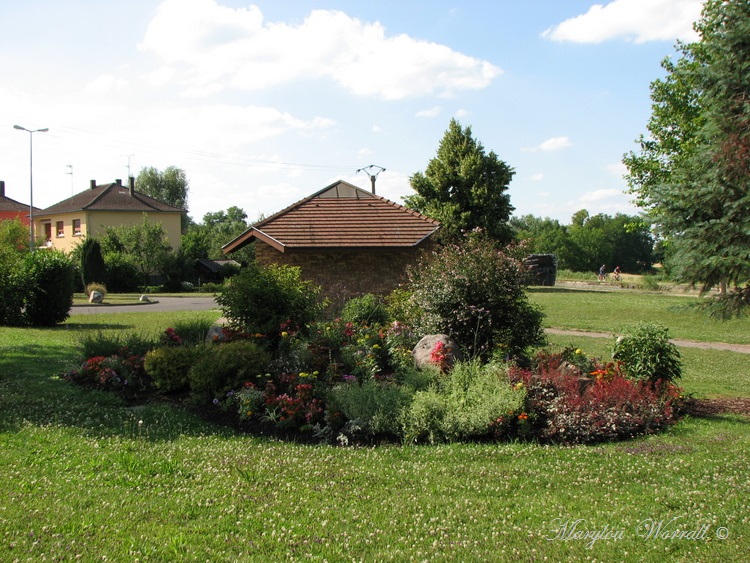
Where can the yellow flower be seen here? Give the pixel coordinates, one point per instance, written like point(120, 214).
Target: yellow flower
point(578, 351)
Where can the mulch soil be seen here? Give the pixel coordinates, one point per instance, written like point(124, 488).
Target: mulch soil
point(712, 407)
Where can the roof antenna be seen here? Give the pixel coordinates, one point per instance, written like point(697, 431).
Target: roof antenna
point(373, 177)
point(70, 166)
point(128, 156)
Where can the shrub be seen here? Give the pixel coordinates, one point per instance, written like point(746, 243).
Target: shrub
point(192, 330)
point(121, 372)
point(49, 281)
point(261, 299)
point(466, 404)
point(169, 366)
point(475, 293)
point(222, 368)
point(92, 267)
point(647, 354)
point(100, 343)
point(564, 405)
point(375, 406)
point(122, 275)
point(367, 309)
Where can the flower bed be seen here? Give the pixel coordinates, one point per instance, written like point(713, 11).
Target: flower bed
point(351, 382)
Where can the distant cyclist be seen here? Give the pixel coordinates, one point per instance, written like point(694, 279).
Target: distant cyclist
point(617, 273)
point(602, 274)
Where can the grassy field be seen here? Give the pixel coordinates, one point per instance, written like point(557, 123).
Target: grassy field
point(82, 476)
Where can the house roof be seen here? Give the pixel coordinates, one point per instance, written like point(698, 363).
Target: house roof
point(339, 216)
point(110, 197)
point(11, 205)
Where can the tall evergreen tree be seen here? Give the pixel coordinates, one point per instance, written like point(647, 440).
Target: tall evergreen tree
point(693, 174)
point(464, 188)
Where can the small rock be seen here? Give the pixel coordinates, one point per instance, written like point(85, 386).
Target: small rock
point(145, 299)
point(96, 297)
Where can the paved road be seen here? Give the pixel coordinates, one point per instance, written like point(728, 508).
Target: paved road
point(160, 304)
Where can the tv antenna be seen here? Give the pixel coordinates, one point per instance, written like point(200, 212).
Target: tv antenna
point(129, 156)
point(373, 176)
point(70, 168)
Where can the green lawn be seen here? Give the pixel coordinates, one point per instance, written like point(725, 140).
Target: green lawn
point(613, 311)
point(84, 476)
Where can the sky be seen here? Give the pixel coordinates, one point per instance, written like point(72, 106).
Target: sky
point(264, 103)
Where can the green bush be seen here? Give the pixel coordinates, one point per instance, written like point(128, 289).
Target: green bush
point(168, 367)
point(122, 275)
point(259, 300)
point(367, 309)
point(48, 277)
point(100, 343)
point(462, 405)
point(92, 267)
point(475, 293)
point(222, 368)
point(193, 330)
point(375, 406)
point(647, 354)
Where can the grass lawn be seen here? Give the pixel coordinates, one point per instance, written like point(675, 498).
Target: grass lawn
point(84, 476)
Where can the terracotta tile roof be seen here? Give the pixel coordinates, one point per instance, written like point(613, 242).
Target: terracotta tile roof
point(340, 216)
point(110, 197)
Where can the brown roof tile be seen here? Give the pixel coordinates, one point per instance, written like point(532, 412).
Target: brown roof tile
point(340, 216)
point(110, 197)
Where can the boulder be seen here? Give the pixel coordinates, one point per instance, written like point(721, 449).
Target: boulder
point(215, 334)
point(432, 345)
point(96, 297)
point(145, 299)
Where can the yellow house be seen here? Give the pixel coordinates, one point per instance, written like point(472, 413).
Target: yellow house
point(89, 213)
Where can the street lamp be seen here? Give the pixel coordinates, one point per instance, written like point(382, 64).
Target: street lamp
point(31, 180)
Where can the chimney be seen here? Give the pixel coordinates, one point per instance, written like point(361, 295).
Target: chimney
point(92, 183)
point(118, 181)
point(2, 188)
point(131, 184)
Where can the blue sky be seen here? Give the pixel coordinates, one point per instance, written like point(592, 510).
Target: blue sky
point(264, 103)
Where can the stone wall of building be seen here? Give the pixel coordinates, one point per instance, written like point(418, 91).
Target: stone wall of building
point(347, 272)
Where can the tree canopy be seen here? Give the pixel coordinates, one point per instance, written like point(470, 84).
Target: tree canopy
point(169, 185)
point(464, 187)
point(692, 172)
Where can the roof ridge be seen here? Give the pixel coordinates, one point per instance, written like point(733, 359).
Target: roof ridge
point(100, 195)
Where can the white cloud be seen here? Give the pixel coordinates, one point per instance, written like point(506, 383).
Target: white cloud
point(617, 169)
point(601, 195)
point(106, 83)
point(434, 111)
point(536, 177)
point(552, 144)
point(219, 48)
point(461, 113)
point(633, 20)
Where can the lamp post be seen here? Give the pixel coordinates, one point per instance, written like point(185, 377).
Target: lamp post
point(31, 180)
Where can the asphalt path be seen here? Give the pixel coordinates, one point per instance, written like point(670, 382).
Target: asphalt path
point(158, 304)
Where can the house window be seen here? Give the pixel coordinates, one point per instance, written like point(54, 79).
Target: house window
point(47, 232)
point(60, 229)
point(76, 227)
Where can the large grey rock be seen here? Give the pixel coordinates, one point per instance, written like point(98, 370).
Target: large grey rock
point(216, 334)
point(96, 297)
point(423, 351)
